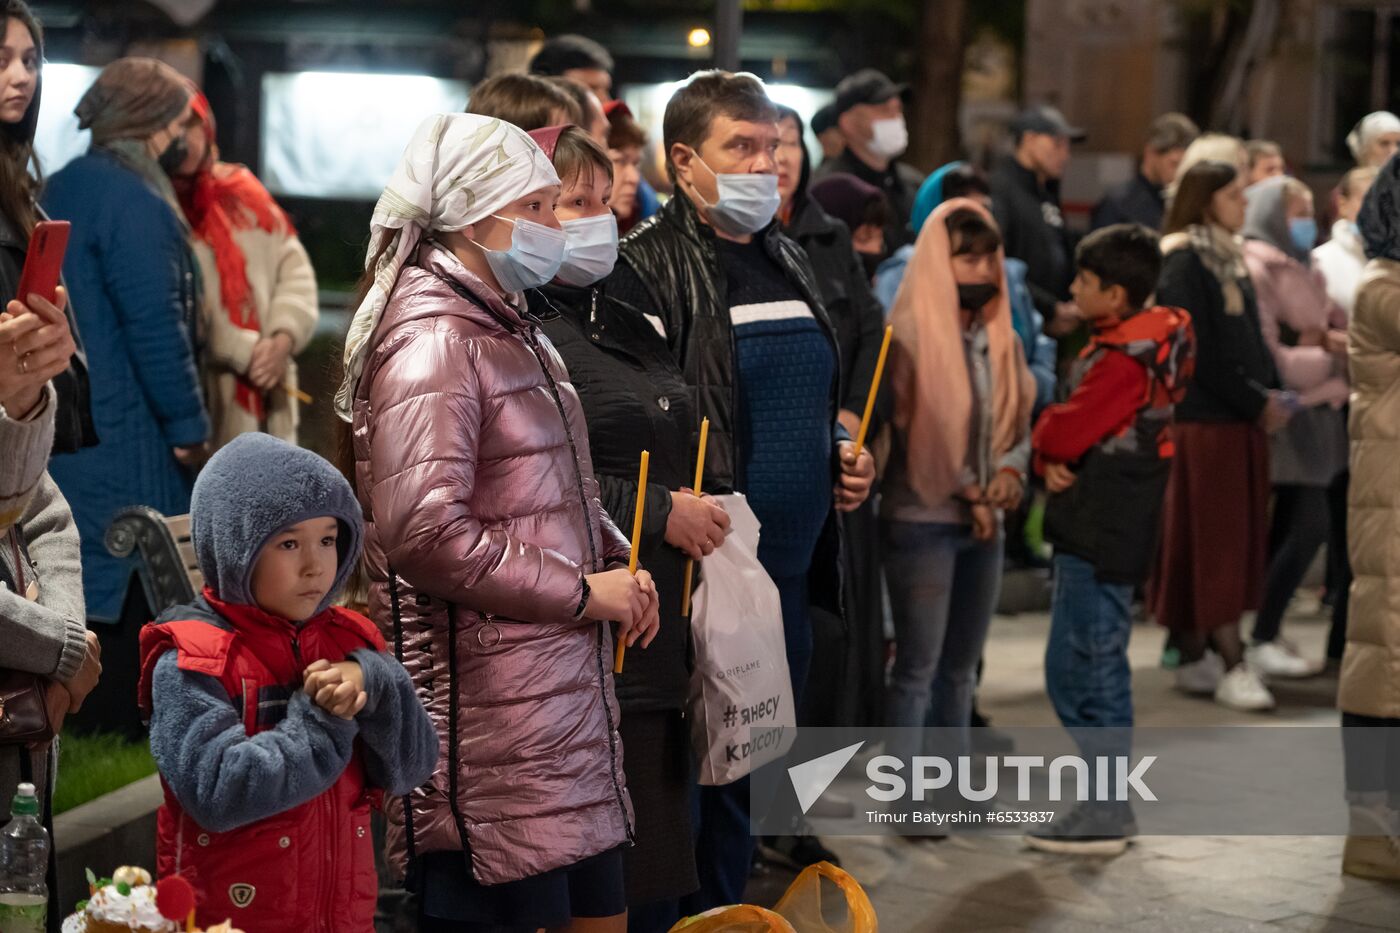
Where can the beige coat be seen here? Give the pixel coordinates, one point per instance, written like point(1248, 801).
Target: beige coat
point(1370, 684)
point(284, 292)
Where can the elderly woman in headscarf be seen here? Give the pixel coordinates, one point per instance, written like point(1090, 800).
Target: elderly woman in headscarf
point(1374, 139)
point(493, 567)
point(1369, 691)
point(1306, 332)
point(132, 280)
point(260, 305)
point(963, 399)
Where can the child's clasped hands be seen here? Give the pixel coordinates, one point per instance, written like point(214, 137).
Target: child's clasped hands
point(337, 688)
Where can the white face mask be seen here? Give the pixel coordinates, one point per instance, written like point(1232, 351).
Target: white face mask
point(533, 258)
point(889, 137)
point(591, 250)
point(746, 204)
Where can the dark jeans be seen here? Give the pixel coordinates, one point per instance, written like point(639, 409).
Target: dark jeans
point(1299, 528)
point(724, 847)
point(1086, 657)
point(1372, 759)
point(1339, 562)
point(656, 917)
point(943, 589)
point(112, 706)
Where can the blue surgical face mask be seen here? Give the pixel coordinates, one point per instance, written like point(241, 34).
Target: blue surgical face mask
point(1303, 231)
point(533, 258)
point(746, 204)
point(591, 250)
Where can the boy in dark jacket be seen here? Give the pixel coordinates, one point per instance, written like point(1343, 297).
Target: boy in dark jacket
point(276, 718)
point(1105, 454)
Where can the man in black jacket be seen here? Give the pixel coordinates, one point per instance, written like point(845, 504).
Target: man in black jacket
point(740, 309)
point(1141, 199)
point(869, 110)
point(1026, 203)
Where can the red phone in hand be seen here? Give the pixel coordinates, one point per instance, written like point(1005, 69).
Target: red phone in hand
point(43, 263)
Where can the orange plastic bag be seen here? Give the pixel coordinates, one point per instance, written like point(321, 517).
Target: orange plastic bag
point(800, 910)
point(803, 907)
point(738, 918)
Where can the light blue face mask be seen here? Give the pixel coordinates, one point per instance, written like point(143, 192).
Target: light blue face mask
point(533, 259)
point(747, 202)
point(1303, 232)
point(592, 249)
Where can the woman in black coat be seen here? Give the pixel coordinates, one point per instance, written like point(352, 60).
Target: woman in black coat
point(848, 659)
point(635, 398)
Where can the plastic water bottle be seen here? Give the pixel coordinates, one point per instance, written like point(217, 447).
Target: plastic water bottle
point(24, 863)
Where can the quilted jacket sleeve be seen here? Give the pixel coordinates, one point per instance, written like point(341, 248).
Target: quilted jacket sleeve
point(424, 439)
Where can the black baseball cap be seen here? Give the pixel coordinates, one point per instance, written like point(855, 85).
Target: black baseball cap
point(866, 86)
point(1048, 120)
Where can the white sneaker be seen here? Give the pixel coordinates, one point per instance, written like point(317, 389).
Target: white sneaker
point(1200, 677)
point(1280, 659)
point(1242, 689)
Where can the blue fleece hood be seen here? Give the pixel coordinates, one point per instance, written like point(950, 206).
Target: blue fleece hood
point(251, 490)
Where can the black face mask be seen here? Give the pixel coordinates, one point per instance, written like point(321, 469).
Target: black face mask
point(974, 297)
point(871, 261)
point(174, 156)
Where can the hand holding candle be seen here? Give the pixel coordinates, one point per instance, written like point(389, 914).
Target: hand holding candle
point(857, 476)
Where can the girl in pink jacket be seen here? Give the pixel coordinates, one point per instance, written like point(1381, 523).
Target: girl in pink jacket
point(493, 567)
point(1306, 331)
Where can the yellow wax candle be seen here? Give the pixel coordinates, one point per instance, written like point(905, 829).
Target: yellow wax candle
point(874, 390)
point(636, 543)
point(699, 478)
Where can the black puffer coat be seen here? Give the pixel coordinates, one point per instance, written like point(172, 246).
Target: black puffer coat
point(634, 398)
point(669, 267)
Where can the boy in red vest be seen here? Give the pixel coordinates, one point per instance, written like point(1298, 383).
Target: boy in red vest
point(1105, 454)
point(277, 719)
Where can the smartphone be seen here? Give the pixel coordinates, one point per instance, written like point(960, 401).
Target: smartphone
point(43, 263)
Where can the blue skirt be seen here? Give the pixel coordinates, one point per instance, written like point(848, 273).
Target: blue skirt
point(451, 900)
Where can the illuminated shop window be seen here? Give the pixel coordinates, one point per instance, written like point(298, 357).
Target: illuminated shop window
point(339, 134)
point(57, 139)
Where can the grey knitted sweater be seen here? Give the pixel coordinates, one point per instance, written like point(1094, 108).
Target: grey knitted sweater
point(48, 636)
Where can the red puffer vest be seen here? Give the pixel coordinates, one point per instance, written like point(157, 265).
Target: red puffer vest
point(310, 869)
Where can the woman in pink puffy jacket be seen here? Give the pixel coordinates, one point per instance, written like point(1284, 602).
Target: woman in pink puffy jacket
point(1306, 332)
point(493, 566)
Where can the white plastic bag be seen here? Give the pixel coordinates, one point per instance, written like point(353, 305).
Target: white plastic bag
point(741, 681)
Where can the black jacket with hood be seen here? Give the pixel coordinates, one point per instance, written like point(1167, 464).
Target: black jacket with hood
point(856, 314)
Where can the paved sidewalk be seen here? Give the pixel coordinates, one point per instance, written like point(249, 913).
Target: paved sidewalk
point(1198, 884)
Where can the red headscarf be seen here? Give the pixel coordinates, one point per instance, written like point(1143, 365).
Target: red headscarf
point(219, 200)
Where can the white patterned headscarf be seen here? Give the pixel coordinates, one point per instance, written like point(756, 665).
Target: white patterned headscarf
point(458, 169)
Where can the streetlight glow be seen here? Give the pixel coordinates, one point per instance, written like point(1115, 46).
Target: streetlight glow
point(699, 38)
